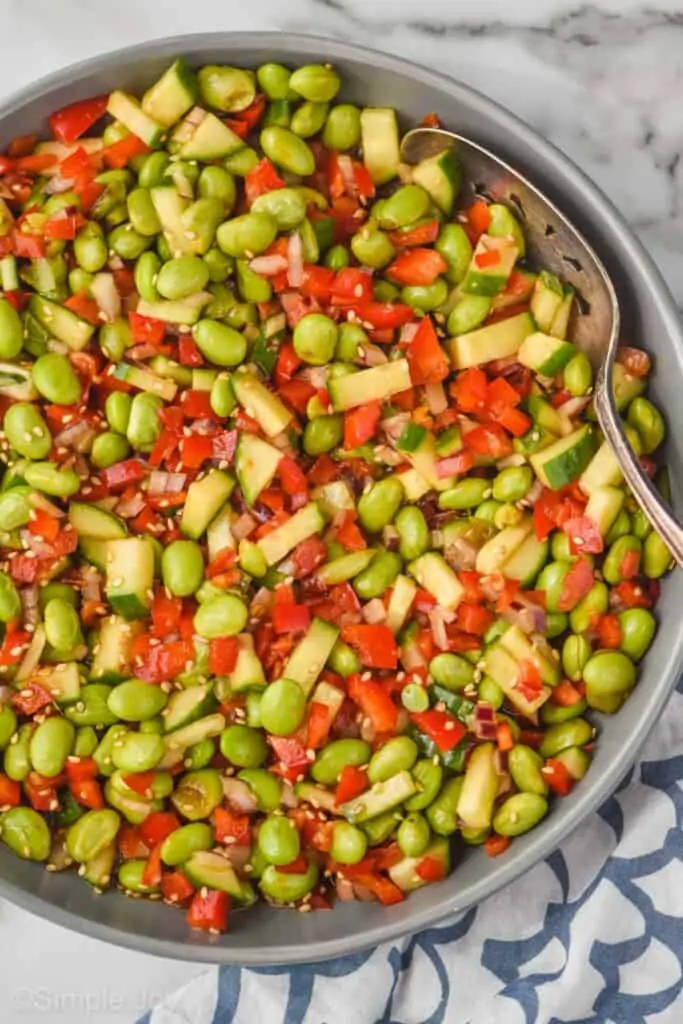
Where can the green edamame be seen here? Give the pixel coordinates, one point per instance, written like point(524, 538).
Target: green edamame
point(323, 434)
point(266, 787)
point(249, 234)
point(513, 484)
point(11, 331)
point(27, 431)
point(278, 839)
point(575, 733)
point(182, 276)
point(627, 547)
point(576, 652)
point(467, 493)
point(10, 601)
point(318, 83)
point(406, 205)
point(287, 150)
point(413, 531)
point(221, 344)
point(425, 297)
point(397, 754)
point(287, 888)
point(116, 337)
point(135, 701)
point(525, 766)
point(372, 247)
point(92, 833)
point(56, 379)
point(451, 671)
point(283, 707)
point(456, 249)
point(62, 625)
point(142, 213)
point(596, 602)
point(8, 724)
point(226, 88)
point(244, 746)
point(519, 814)
point(349, 843)
point(442, 813)
point(50, 745)
point(26, 833)
point(184, 841)
point(578, 375)
point(656, 556)
point(138, 752)
point(127, 242)
point(647, 420)
point(343, 659)
point(337, 755)
point(308, 119)
point(109, 448)
point(638, 627)
point(198, 794)
point(117, 411)
point(379, 575)
point(91, 707)
point(144, 425)
point(342, 128)
point(221, 616)
point(413, 835)
point(182, 567)
point(315, 339)
point(90, 248)
point(378, 505)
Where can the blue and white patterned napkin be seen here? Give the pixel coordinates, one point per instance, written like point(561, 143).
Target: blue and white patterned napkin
point(593, 935)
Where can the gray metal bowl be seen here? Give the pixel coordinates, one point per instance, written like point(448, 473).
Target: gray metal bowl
point(262, 935)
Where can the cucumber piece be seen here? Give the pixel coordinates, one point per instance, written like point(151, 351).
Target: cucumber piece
point(203, 136)
point(546, 300)
point(130, 576)
point(334, 497)
point(516, 643)
point(205, 868)
point(497, 341)
point(602, 471)
point(170, 206)
point(434, 574)
point(112, 654)
point(375, 384)
point(380, 143)
point(424, 460)
point(566, 459)
point(146, 381)
point(604, 505)
point(205, 498)
point(248, 672)
point(62, 681)
point(345, 567)
point(94, 551)
point(544, 354)
point(61, 323)
point(496, 551)
point(219, 532)
point(547, 417)
point(503, 668)
point(91, 521)
point(256, 464)
point(267, 409)
point(383, 796)
point(17, 382)
point(525, 563)
point(504, 224)
point(414, 485)
point(127, 110)
point(475, 806)
point(404, 873)
point(283, 539)
point(177, 742)
point(308, 658)
point(187, 706)
point(172, 95)
point(316, 796)
point(560, 324)
point(489, 280)
point(441, 176)
point(400, 603)
point(183, 311)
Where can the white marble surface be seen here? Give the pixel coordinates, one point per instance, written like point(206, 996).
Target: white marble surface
point(602, 81)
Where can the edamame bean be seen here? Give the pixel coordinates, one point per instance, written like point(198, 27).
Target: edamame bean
point(596, 602)
point(226, 88)
point(378, 505)
point(647, 420)
point(379, 829)
point(350, 340)
point(451, 671)
point(638, 627)
point(488, 511)
point(397, 754)
point(182, 567)
point(278, 839)
point(287, 206)
point(152, 171)
point(142, 213)
point(629, 548)
point(413, 835)
point(217, 183)
point(372, 247)
point(525, 765)
point(556, 714)
point(425, 297)
point(578, 375)
point(135, 701)
point(27, 431)
point(10, 601)
point(219, 343)
point(200, 755)
point(342, 128)
point(551, 580)
point(456, 249)
point(153, 726)
point(337, 258)
point(198, 794)
point(16, 762)
point(109, 448)
point(130, 877)
point(138, 752)
point(266, 787)
point(467, 493)
point(8, 724)
point(117, 411)
point(90, 248)
point(287, 151)
point(62, 625)
point(86, 742)
point(519, 814)
point(287, 888)
point(46, 477)
point(323, 434)
point(343, 659)
point(127, 242)
point(182, 276)
point(413, 531)
point(656, 556)
point(513, 483)
point(318, 83)
point(620, 527)
point(221, 616)
point(442, 813)
point(308, 119)
point(315, 339)
point(91, 707)
point(641, 525)
point(576, 652)
point(222, 399)
point(274, 80)
point(91, 834)
point(252, 287)
point(379, 575)
point(283, 707)
point(15, 506)
point(568, 734)
point(179, 845)
point(468, 313)
point(337, 755)
point(50, 745)
point(414, 697)
point(249, 234)
point(26, 833)
point(220, 266)
point(243, 746)
point(406, 205)
point(490, 692)
point(349, 843)
point(144, 425)
point(116, 337)
point(11, 331)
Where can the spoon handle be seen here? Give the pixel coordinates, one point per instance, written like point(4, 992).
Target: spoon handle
point(639, 482)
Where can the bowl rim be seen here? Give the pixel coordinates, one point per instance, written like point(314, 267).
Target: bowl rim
point(588, 799)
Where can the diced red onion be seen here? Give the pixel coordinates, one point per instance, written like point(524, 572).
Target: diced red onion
point(390, 535)
point(367, 730)
point(345, 164)
point(128, 508)
point(142, 351)
point(573, 406)
point(460, 554)
point(412, 657)
point(243, 526)
point(437, 538)
point(262, 603)
point(436, 398)
point(274, 325)
point(31, 658)
point(516, 459)
point(523, 618)
point(288, 797)
point(438, 625)
point(39, 501)
point(268, 266)
point(239, 795)
point(534, 493)
point(105, 293)
point(408, 332)
point(374, 611)
point(165, 483)
point(500, 762)
point(484, 730)
point(115, 262)
point(56, 185)
point(394, 426)
point(238, 856)
point(295, 260)
point(345, 890)
point(484, 712)
point(55, 345)
point(29, 604)
point(77, 435)
point(6, 694)
point(316, 376)
point(92, 584)
point(537, 611)
point(387, 455)
point(373, 355)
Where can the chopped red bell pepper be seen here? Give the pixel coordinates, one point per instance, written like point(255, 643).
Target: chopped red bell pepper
point(31, 247)
point(209, 911)
point(32, 697)
point(474, 618)
point(514, 420)
point(120, 153)
point(195, 450)
point(565, 695)
point(10, 792)
point(145, 330)
point(489, 440)
point(576, 585)
point(140, 782)
point(430, 869)
point(426, 359)
point(263, 178)
point(231, 827)
point(375, 645)
point(88, 793)
point(166, 611)
point(42, 792)
point(479, 217)
point(495, 845)
point(609, 631)
point(121, 474)
point(291, 618)
point(157, 826)
point(69, 123)
point(374, 701)
point(416, 267)
point(317, 725)
point(557, 776)
point(361, 423)
point(223, 655)
point(631, 594)
point(585, 537)
point(176, 887)
point(351, 286)
point(420, 234)
point(629, 565)
point(383, 314)
point(471, 390)
point(352, 782)
point(441, 727)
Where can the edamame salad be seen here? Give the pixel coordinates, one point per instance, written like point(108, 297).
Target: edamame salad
point(315, 568)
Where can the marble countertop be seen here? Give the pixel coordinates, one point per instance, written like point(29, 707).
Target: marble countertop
point(602, 81)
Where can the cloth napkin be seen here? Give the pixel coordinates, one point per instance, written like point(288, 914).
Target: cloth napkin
point(592, 935)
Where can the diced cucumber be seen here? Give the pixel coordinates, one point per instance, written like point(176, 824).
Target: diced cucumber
point(495, 553)
point(187, 706)
point(205, 868)
point(434, 574)
point(503, 668)
point(316, 796)
point(112, 654)
point(414, 485)
point(61, 323)
point(401, 600)
point(504, 224)
point(266, 408)
point(172, 95)
point(146, 381)
point(183, 311)
point(566, 459)
point(127, 110)
point(177, 742)
point(203, 136)
point(545, 415)
point(497, 341)
point(521, 648)
point(375, 384)
point(130, 576)
point(91, 521)
point(283, 539)
point(205, 498)
point(441, 176)
point(383, 796)
point(424, 460)
point(603, 470)
point(256, 464)
point(560, 324)
point(308, 658)
point(17, 382)
point(345, 567)
point(380, 142)
point(490, 278)
point(604, 505)
point(404, 874)
point(63, 682)
point(94, 551)
point(219, 532)
point(248, 672)
point(546, 300)
point(170, 206)
point(544, 354)
point(478, 794)
point(334, 497)
point(525, 563)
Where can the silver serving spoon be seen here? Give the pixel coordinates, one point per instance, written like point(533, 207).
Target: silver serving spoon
point(553, 243)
